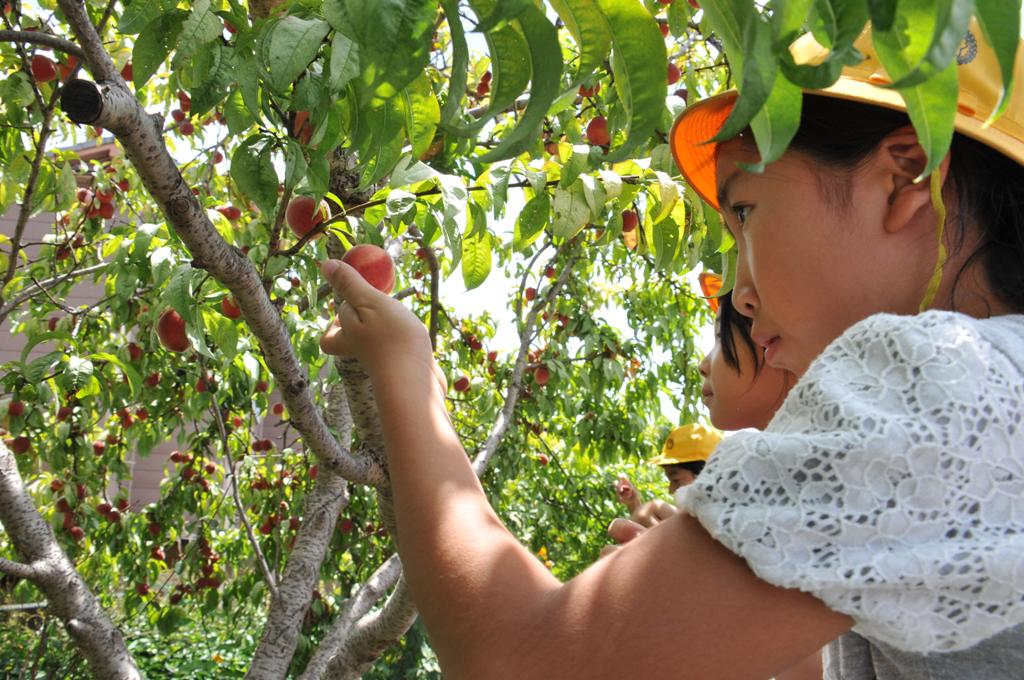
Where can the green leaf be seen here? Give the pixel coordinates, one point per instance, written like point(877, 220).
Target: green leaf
point(845, 22)
point(1000, 22)
point(289, 46)
point(587, 25)
point(410, 171)
point(399, 203)
point(494, 14)
point(212, 72)
point(202, 26)
point(140, 13)
point(501, 173)
point(883, 13)
point(65, 186)
point(777, 122)
point(224, 333)
point(394, 39)
point(294, 164)
point(593, 191)
point(949, 19)
point(476, 249)
point(667, 196)
point(758, 77)
point(35, 371)
point(510, 72)
point(546, 65)
point(178, 293)
point(638, 64)
point(154, 44)
point(454, 194)
point(571, 211)
point(667, 238)
point(728, 271)
point(930, 105)
point(460, 63)
point(171, 619)
point(134, 379)
point(344, 61)
point(577, 163)
point(318, 174)
point(788, 19)
point(381, 147)
point(422, 113)
point(534, 216)
point(253, 172)
point(237, 114)
point(727, 19)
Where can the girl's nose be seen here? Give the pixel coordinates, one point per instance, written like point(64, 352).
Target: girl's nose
point(744, 296)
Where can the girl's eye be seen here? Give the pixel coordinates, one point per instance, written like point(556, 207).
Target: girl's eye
point(741, 212)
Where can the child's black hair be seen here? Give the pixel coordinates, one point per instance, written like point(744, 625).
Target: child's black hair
point(729, 319)
point(694, 466)
point(989, 185)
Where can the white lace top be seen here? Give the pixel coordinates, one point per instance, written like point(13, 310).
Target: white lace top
point(890, 484)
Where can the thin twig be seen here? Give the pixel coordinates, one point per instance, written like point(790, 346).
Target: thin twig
point(44, 39)
point(261, 560)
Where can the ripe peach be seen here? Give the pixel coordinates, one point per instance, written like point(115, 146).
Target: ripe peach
point(303, 214)
point(43, 69)
point(597, 132)
point(171, 331)
point(630, 220)
point(374, 264)
point(230, 308)
point(673, 74)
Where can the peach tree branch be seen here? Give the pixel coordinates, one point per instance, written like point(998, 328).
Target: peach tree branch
point(49, 569)
point(111, 104)
point(320, 512)
point(515, 388)
point(44, 39)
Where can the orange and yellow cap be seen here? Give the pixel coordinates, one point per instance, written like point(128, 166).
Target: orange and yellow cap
point(980, 89)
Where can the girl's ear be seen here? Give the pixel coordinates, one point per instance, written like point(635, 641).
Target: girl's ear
point(902, 159)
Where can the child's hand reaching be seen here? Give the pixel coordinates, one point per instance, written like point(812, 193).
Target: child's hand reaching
point(626, 493)
point(375, 328)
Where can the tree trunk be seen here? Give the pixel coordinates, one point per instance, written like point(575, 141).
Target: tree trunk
point(49, 569)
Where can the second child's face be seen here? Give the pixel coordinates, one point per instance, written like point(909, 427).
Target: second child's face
point(746, 398)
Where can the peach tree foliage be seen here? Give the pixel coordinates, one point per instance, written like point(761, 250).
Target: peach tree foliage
point(457, 134)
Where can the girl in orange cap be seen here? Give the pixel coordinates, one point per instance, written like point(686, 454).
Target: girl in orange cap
point(882, 510)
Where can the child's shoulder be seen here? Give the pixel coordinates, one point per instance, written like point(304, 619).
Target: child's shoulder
point(882, 340)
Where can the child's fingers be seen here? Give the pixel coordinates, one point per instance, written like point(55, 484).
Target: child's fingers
point(333, 340)
point(347, 282)
point(624, 530)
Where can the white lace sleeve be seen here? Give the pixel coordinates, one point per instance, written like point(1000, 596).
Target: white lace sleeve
point(891, 482)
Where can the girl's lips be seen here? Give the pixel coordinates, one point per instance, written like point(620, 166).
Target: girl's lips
point(764, 339)
point(771, 348)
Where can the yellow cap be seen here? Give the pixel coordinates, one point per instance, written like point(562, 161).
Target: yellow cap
point(687, 444)
point(980, 88)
